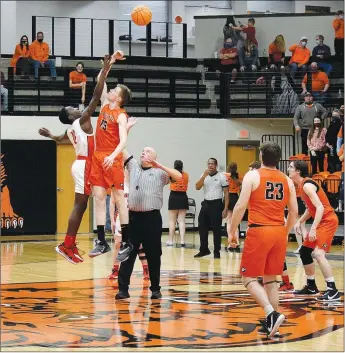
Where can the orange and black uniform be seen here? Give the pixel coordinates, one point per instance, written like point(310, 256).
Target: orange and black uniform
point(234, 189)
point(178, 199)
point(328, 226)
point(265, 245)
point(107, 139)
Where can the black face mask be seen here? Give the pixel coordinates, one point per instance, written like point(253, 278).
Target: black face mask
point(40, 40)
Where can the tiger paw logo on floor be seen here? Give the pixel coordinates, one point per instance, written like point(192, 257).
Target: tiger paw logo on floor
point(9, 219)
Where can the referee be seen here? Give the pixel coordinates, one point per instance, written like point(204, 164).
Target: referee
point(147, 179)
point(212, 208)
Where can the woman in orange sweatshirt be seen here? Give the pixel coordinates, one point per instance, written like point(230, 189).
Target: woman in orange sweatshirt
point(338, 25)
point(20, 59)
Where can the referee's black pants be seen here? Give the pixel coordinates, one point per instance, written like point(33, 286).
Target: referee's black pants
point(210, 215)
point(145, 228)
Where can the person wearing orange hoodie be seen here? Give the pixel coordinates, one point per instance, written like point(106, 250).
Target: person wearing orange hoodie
point(338, 25)
point(39, 53)
point(300, 57)
point(20, 59)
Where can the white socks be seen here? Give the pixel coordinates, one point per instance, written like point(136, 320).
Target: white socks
point(311, 277)
point(268, 309)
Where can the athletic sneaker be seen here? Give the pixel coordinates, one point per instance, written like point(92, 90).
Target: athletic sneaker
point(114, 273)
point(284, 287)
point(146, 272)
point(331, 295)
point(263, 330)
point(273, 321)
point(124, 251)
point(122, 295)
point(307, 290)
point(70, 254)
point(99, 249)
point(156, 295)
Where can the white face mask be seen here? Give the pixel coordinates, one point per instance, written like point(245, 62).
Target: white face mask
point(318, 42)
point(304, 44)
point(341, 16)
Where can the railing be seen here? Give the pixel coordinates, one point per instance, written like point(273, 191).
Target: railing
point(87, 37)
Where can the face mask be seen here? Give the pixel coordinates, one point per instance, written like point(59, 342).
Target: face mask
point(40, 40)
point(304, 44)
point(318, 42)
point(317, 125)
point(341, 16)
point(228, 45)
point(314, 69)
point(334, 117)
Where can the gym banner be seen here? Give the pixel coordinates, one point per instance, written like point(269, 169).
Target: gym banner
point(28, 187)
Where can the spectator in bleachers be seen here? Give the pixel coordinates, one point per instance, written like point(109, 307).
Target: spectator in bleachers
point(254, 165)
point(331, 141)
point(229, 58)
point(249, 30)
point(338, 25)
point(341, 191)
point(319, 83)
point(276, 59)
point(300, 57)
point(321, 55)
point(316, 144)
point(229, 31)
point(340, 136)
point(39, 53)
point(21, 57)
point(248, 57)
point(77, 82)
point(304, 117)
point(4, 94)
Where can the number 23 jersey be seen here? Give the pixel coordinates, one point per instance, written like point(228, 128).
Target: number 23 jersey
point(267, 203)
point(107, 129)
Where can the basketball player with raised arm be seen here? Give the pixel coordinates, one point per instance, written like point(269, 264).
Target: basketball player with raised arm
point(319, 239)
point(81, 136)
point(107, 167)
point(267, 192)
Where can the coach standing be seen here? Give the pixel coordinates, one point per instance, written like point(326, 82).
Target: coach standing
point(147, 179)
point(213, 210)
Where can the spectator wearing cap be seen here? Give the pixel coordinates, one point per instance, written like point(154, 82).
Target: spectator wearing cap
point(321, 55)
point(300, 57)
point(338, 25)
point(304, 118)
point(319, 83)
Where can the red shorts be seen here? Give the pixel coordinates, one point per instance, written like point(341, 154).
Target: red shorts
point(264, 251)
point(324, 234)
point(106, 178)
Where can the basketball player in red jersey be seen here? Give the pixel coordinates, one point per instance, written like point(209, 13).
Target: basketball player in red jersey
point(107, 168)
point(267, 192)
point(319, 239)
point(81, 136)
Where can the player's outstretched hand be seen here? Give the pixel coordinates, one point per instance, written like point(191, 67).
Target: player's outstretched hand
point(119, 55)
point(131, 122)
point(44, 132)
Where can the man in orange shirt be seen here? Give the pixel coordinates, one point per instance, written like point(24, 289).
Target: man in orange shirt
point(39, 54)
point(300, 57)
point(319, 239)
point(266, 192)
point(338, 25)
point(319, 83)
point(77, 81)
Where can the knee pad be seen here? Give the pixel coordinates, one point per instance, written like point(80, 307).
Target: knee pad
point(305, 254)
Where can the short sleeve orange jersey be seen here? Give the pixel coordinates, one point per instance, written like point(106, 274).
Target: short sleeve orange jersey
point(298, 190)
point(107, 129)
point(181, 185)
point(233, 187)
point(328, 209)
point(267, 203)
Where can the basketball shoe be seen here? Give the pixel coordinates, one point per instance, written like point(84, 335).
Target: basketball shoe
point(114, 273)
point(124, 251)
point(331, 295)
point(286, 287)
point(307, 290)
point(273, 321)
point(70, 254)
point(99, 249)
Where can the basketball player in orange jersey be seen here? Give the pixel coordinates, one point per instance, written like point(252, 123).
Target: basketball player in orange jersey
point(319, 239)
point(234, 189)
point(107, 168)
point(81, 136)
point(267, 192)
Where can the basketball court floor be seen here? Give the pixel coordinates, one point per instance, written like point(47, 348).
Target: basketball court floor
point(49, 304)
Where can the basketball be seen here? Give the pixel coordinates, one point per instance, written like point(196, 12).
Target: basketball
point(141, 15)
point(178, 19)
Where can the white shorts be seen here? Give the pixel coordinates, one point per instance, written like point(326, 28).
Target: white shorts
point(80, 171)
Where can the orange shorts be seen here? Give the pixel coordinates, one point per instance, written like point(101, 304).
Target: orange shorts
point(264, 251)
point(106, 178)
point(324, 234)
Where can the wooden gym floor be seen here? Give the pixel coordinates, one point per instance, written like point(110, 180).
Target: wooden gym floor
point(49, 304)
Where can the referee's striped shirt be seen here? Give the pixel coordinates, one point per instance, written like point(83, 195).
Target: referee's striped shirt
point(145, 186)
point(213, 186)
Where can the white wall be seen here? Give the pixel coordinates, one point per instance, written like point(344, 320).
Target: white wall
point(334, 5)
point(271, 6)
point(8, 26)
point(191, 140)
point(209, 32)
